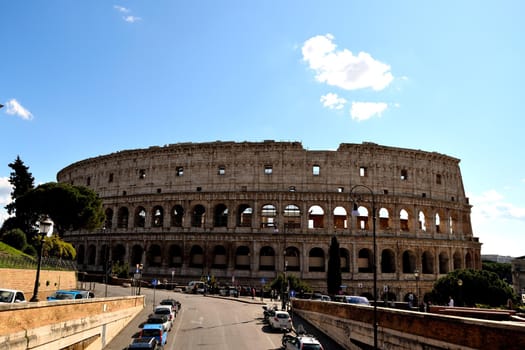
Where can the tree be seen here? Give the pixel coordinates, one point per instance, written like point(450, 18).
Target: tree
point(22, 182)
point(16, 238)
point(333, 275)
point(472, 287)
point(503, 270)
point(57, 247)
point(69, 207)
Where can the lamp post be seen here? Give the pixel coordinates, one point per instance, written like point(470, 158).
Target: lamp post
point(285, 265)
point(44, 226)
point(416, 275)
point(355, 212)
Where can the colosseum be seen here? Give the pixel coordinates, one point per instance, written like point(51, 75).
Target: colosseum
point(248, 211)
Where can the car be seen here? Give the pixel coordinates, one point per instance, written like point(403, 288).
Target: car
point(165, 310)
point(280, 320)
point(301, 342)
point(175, 304)
point(70, 295)
point(160, 319)
point(150, 330)
point(354, 299)
point(144, 343)
point(12, 296)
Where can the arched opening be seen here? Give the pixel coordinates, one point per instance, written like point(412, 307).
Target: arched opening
point(409, 261)
point(315, 217)
point(292, 216)
point(268, 214)
point(427, 262)
point(158, 216)
point(177, 216)
point(242, 258)
point(244, 216)
point(140, 217)
point(123, 217)
point(220, 258)
point(196, 256)
point(344, 256)
point(388, 261)
point(340, 218)
point(109, 218)
point(384, 219)
point(267, 259)
point(197, 217)
point(220, 216)
point(154, 257)
point(365, 261)
point(316, 260)
point(175, 256)
point(443, 263)
point(292, 259)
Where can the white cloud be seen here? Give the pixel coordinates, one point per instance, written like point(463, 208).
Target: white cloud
point(491, 205)
point(15, 108)
point(121, 9)
point(366, 110)
point(5, 197)
point(132, 19)
point(333, 101)
point(342, 68)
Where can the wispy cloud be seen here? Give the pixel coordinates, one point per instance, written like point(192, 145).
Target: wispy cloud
point(13, 107)
point(132, 19)
point(493, 205)
point(342, 68)
point(127, 18)
point(366, 110)
point(333, 101)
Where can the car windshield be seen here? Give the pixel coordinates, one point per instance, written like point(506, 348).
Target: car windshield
point(150, 332)
point(63, 296)
point(162, 311)
point(282, 316)
point(311, 347)
point(6, 296)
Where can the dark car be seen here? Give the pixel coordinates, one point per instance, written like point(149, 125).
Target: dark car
point(144, 343)
point(175, 304)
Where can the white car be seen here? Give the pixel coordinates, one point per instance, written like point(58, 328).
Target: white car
point(167, 311)
point(280, 320)
point(301, 342)
point(12, 296)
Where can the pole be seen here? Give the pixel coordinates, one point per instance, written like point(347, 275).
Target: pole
point(39, 266)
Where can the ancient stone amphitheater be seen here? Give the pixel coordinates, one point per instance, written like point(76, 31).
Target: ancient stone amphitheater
point(247, 211)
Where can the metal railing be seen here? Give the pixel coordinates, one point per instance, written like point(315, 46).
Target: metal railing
point(48, 263)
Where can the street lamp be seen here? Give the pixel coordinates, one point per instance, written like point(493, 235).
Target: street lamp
point(416, 275)
point(285, 266)
point(43, 228)
point(355, 212)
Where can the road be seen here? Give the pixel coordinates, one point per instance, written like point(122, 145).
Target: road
point(207, 323)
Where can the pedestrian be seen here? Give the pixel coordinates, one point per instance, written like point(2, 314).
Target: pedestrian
point(253, 293)
point(450, 302)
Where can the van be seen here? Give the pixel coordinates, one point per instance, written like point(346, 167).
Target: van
point(195, 287)
point(152, 330)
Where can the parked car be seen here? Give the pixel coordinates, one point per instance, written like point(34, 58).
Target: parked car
point(12, 296)
point(354, 299)
point(165, 310)
point(195, 287)
point(160, 319)
point(150, 330)
point(70, 295)
point(301, 342)
point(175, 304)
point(281, 320)
point(144, 343)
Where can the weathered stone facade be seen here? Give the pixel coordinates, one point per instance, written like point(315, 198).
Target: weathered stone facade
point(228, 209)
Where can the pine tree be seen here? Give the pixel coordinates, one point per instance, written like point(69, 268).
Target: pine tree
point(21, 180)
point(333, 276)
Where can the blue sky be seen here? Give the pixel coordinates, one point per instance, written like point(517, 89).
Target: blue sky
point(85, 78)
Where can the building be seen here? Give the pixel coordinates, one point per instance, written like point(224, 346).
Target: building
point(246, 211)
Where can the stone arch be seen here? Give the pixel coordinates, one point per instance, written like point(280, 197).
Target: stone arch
point(384, 219)
point(118, 253)
point(469, 262)
point(242, 258)
point(109, 218)
point(177, 216)
point(123, 217)
point(421, 220)
point(220, 215)
point(292, 216)
point(340, 218)
point(427, 262)
point(154, 256)
point(443, 263)
point(140, 217)
point(362, 218)
point(315, 217)
point(244, 215)
point(220, 257)
point(196, 256)
point(365, 261)
point(409, 261)
point(175, 255)
point(292, 259)
point(404, 220)
point(198, 215)
point(267, 259)
point(136, 254)
point(268, 215)
point(316, 260)
point(457, 261)
point(157, 216)
point(388, 261)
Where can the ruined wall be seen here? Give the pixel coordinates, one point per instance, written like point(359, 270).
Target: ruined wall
point(422, 214)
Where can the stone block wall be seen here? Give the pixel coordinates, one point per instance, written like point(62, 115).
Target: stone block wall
point(50, 281)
